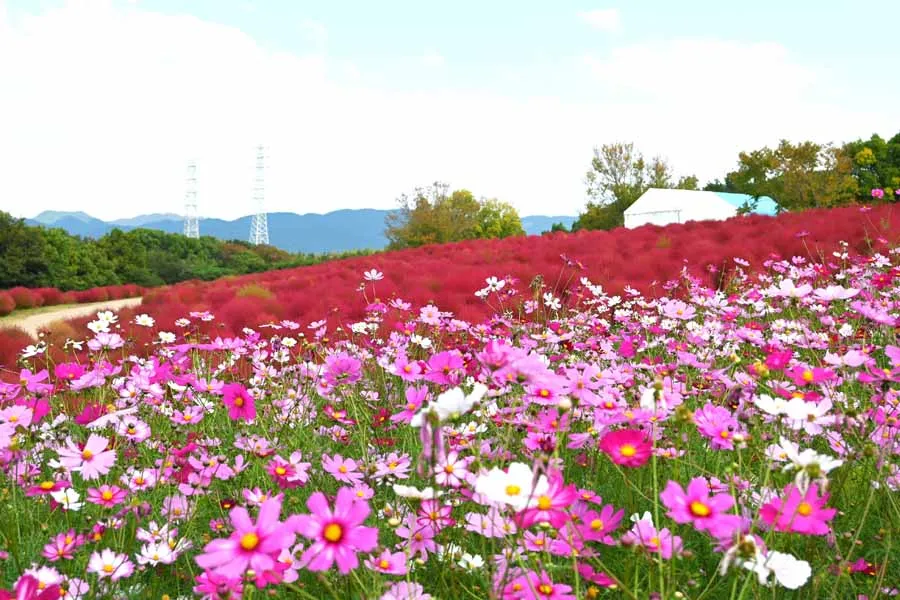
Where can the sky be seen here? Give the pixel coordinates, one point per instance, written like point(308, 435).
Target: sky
point(104, 102)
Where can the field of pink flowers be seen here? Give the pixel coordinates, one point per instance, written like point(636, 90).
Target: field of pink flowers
point(717, 437)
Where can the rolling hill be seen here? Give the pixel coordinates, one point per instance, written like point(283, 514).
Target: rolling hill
point(349, 229)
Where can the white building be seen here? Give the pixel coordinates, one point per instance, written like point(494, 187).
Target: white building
point(664, 206)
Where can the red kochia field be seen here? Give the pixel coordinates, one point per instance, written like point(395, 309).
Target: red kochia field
point(447, 275)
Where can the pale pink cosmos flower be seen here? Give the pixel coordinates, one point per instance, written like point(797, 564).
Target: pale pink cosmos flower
point(92, 461)
point(109, 564)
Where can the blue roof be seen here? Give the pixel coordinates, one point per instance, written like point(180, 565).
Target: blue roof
point(765, 205)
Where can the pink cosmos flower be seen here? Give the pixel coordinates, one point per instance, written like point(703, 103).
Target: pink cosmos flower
point(344, 470)
point(29, 588)
point(251, 545)
point(404, 590)
point(534, 586)
point(660, 542)
point(802, 375)
point(106, 496)
point(239, 402)
point(415, 397)
point(336, 535)
point(718, 424)
point(289, 474)
point(551, 506)
point(799, 513)
point(419, 539)
point(453, 471)
point(63, 546)
point(212, 586)
point(92, 461)
point(594, 526)
point(627, 447)
point(390, 563)
point(696, 506)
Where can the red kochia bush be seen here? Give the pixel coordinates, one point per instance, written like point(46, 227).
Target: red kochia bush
point(51, 296)
point(25, 298)
point(7, 303)
point(12, 341)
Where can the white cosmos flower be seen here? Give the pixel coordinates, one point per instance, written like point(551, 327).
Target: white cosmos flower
point(471, 562)
point(810, 465)
point(373, 275)
point(155, 553)
point(166, 337)
point(771, 406)
point(516, 487)
point(450, 404)
point(144, 320)
point(408, 491)
point(789, 571)
point(68, 499)
point(33, 350)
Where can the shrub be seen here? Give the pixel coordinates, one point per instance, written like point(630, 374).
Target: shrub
point(12, 341)
point(7, 303)
point(253, 290)
point(50, 296)
point(24, 297)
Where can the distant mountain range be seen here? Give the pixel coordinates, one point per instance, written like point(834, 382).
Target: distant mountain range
point(340, 230)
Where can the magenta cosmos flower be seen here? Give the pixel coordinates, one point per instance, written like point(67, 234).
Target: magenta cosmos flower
point(695, 505)
point(627, 447)
point(251, 545)
point(336, 535)
point(534, 586)
point(239, 402)
point(799, 513)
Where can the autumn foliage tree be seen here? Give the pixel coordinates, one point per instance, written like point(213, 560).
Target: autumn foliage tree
point(434, 215)
point(797, 176)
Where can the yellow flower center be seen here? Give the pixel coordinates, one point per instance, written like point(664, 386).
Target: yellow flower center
point(239, 402)
point(698, 509)
point(383, 564)
point(342, 469)
point(597, 524)
point(47, 485)
point(545, 589)
point(654, 541)
point(544, 503)
point(249, 541)
point(724, 434)
point(280, 470)
point(13, 419)
point(544, 393)
point(627, 450)
point(87, 455)
point(333, 533)
point(107, 495)
point(804, 509)
point(808, 376)
point(107, 568)
point(513, 490)
point(187, 417)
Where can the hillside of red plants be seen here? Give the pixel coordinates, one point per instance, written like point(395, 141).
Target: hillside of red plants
point(448, 275)
point(22, 298)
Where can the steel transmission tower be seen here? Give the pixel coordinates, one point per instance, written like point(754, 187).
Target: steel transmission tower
point(191, 218)
point(259, 224)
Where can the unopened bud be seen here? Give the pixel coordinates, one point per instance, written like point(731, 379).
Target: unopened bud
point(565, 403)
point(394, 522)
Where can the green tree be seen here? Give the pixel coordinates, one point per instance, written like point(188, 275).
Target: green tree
point(22, 258)
point(876, 164)
point(433, 215)
point(618, 176)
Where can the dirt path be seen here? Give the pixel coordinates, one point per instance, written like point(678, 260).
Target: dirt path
point(33, 323)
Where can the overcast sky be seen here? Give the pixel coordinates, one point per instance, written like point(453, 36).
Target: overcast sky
point(102, 103)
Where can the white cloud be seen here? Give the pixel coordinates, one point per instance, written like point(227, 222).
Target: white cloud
point(602, 19)
point(432, 59)
point(101, 108)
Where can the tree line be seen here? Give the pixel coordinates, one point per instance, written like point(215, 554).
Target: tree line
point(797, 176)
point(38, 256)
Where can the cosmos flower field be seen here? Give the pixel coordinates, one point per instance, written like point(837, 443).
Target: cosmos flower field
point(579, 442)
